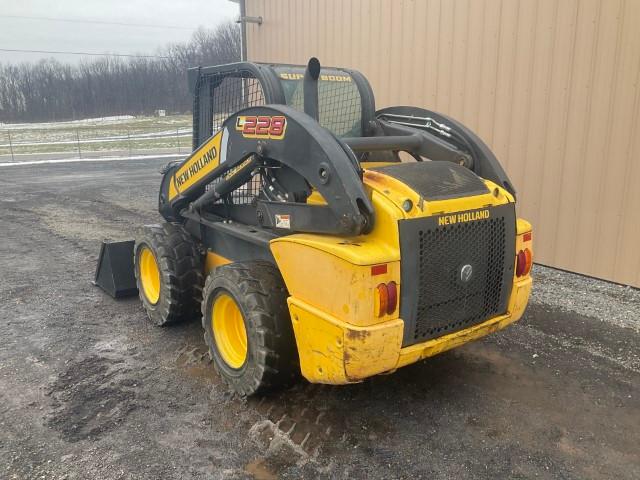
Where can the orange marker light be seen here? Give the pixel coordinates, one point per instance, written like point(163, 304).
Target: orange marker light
point(528, 261)
point(382, 297)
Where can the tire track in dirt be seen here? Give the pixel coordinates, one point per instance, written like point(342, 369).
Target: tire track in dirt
point(289, 428)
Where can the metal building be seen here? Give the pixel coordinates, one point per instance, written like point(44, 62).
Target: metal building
point(551, 85)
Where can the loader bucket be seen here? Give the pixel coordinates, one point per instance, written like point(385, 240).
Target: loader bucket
point(114, 273)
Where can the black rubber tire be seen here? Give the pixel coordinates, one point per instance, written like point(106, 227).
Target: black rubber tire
point(272, 356)
point(180, 264)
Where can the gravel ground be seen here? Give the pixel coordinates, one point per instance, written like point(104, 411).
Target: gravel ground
point(89, 389)
point(608, 302)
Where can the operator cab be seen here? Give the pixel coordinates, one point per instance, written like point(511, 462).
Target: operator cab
point(339, 100)
point(345, 99)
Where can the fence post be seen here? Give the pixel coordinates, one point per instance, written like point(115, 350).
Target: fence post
point(178, 138)
point(78, 140)
point(10, 145)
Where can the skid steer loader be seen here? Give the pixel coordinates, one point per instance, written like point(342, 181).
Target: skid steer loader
point(315, 235)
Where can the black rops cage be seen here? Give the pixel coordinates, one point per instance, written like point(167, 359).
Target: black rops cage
point(345, 99)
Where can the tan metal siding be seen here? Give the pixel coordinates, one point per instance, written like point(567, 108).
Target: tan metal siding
point(551, 85)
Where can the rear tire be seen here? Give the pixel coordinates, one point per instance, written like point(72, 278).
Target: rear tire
point(270, 358)
point(168, 269)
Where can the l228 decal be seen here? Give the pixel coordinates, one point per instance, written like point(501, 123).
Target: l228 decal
point(262, 126)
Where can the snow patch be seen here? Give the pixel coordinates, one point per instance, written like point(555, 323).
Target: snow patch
point(84, 160)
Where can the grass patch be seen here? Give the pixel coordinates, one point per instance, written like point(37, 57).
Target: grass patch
point(98, 135)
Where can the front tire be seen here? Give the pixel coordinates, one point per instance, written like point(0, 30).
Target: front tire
point(247, 327)
point(168, 270)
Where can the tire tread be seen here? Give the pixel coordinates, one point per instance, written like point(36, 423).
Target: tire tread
point(181, 267)
point(265, 302)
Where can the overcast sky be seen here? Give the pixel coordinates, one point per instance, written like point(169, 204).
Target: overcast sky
point(40, 34)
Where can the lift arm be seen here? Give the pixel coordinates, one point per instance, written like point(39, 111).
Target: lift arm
point(268, 138)
point(442, 138)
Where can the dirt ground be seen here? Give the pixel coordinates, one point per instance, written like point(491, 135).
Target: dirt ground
point(89, 389)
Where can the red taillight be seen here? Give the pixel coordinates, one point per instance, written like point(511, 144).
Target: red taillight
point(386, 298)
point(521, 262)
point(524, 261)
point(392, 293)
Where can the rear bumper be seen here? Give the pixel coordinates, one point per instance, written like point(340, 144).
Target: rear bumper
point(335, 352)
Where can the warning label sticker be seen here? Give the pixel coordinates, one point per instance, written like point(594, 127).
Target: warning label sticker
point(283, 221)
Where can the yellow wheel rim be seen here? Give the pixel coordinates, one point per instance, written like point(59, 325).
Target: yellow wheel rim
point(149, 275)
point(229, 331)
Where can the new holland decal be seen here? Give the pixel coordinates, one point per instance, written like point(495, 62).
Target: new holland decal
point(198, 164)
point(463, 217)
point(262, 126)
point(201, 163)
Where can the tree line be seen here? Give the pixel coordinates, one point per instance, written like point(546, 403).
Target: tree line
point(53, 91)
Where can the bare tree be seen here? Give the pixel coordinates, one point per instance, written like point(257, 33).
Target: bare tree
point(49, 90)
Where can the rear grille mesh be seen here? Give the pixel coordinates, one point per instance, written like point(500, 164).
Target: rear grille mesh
point(446, 303)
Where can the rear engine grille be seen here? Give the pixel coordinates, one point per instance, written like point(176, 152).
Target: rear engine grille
point(445, 303)
point(440, 298)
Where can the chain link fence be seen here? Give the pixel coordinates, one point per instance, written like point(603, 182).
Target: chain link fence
point(92, 141)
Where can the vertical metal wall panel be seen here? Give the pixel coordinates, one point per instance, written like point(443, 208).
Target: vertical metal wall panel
point(551, 85)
